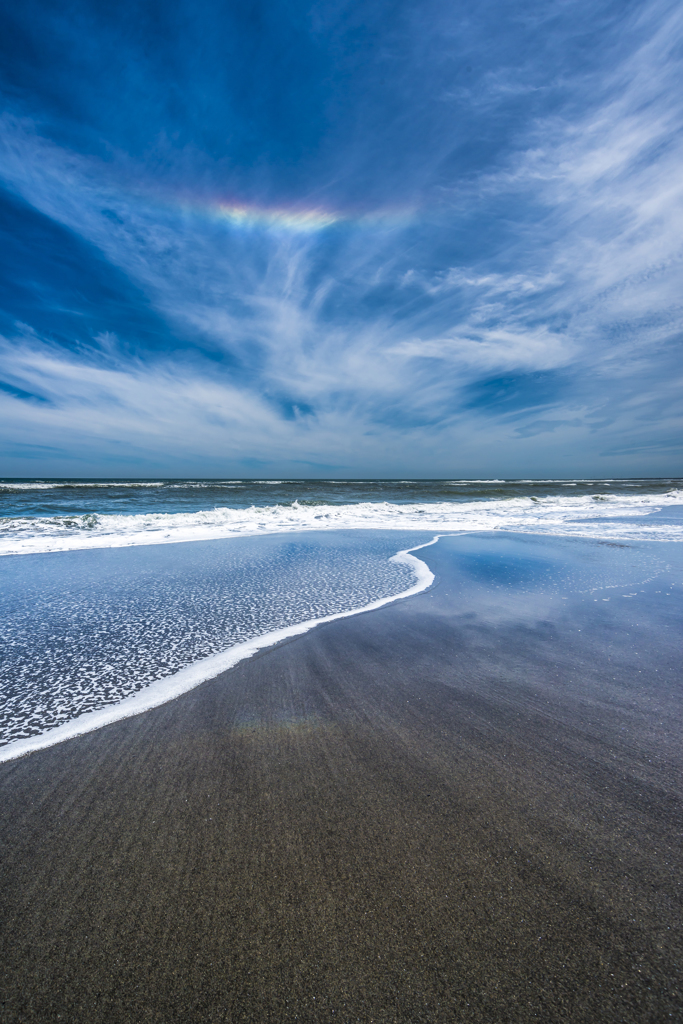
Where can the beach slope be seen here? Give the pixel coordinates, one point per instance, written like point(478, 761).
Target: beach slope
point(465, 806)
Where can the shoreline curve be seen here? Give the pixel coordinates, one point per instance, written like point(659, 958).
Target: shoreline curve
point(161, 691)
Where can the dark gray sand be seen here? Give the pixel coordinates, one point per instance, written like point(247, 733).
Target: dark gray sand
point(465, 806)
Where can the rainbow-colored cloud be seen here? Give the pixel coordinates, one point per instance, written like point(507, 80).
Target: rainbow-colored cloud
point(279, 217)
point(298, 219)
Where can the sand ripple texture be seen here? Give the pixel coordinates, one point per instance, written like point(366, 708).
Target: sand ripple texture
point(82, 630)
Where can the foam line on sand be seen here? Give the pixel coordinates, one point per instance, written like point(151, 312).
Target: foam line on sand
point(163, 690)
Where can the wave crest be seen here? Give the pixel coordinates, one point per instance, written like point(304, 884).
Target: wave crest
point(608, 516)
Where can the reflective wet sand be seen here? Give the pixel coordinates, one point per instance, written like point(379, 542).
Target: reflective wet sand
point(462, 807)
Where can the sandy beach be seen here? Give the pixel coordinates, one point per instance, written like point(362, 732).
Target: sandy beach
point(465, 806)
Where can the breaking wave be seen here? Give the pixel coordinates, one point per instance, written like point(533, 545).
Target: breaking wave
point(599, 516)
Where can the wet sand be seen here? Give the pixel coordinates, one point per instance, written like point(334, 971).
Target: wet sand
point(465, 806)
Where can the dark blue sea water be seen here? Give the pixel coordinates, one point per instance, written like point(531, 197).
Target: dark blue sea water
point(77, 498)
point(59, 515)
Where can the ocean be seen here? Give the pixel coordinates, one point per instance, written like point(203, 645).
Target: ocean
point(117, 595)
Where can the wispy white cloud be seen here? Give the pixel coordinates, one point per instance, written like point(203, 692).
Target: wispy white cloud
point(339, 346)
point(610, 182)
point(493, 349)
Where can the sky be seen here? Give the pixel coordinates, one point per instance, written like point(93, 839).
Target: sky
point(341, 239)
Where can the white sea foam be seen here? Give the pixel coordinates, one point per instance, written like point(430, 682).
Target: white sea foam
point(600, 516)
point(163, 690)
point(51, 485)
point(32, 486)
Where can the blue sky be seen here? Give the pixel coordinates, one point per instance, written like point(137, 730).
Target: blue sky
point(341, 239)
